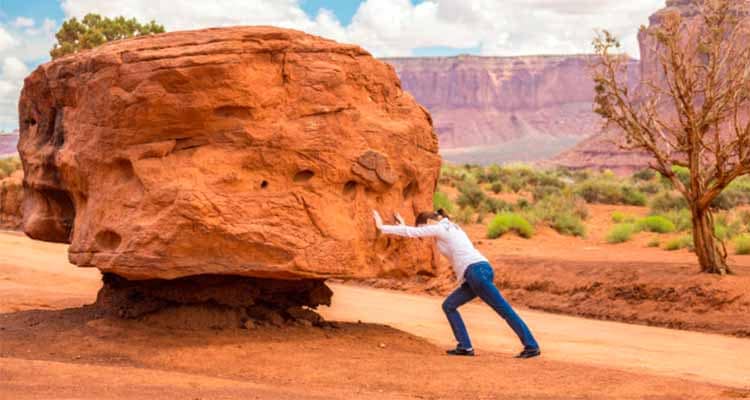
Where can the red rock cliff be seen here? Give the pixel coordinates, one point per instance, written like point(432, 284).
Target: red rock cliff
point(480, 101)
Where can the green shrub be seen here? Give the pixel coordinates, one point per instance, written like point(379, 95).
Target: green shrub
point(568, 224)
point(541, 192)
point(522, 204)
point(471, 195)
point(632, 196)
point(680, 243)
point(515, 184)
point(497, 187)
point(745, 218)
point(666, 201)
point(649, 187)
point(505, 222)
point(644, 175)
point(725, 230)
point(621, 233)
point(735, 195)
point(8, 166)
point(682, 173)
point(619, 217)
point(464, 215)
point(742, 244)
point(682, 219)
point(654, 243)
point(441, 200)
point(656, 224)
point(494, 206)
point(605, 191)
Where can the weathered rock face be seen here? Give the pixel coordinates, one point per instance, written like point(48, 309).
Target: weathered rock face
point(248, 151)
point(602, 150)
point(11, 198)
point(486, 101)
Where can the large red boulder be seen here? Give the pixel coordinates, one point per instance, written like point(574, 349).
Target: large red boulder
point(250, 151)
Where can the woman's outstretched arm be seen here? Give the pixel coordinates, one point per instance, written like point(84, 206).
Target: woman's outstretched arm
point(407, 231)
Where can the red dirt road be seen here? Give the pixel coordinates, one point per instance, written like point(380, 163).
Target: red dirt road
point(52, 347)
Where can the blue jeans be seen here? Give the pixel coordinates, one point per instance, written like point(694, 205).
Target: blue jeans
point(479, 282)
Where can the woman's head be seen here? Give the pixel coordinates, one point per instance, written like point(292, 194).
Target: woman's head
point(427, 217)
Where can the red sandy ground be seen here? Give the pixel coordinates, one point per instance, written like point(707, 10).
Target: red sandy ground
point(53, 347)
point(589, 277)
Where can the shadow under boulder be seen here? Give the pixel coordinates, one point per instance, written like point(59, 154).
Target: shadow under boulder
point(214, 301)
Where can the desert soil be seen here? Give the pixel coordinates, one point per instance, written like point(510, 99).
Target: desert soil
point(629, 282)
point(53, 346)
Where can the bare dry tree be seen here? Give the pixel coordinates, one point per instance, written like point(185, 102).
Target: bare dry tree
point(693, 113)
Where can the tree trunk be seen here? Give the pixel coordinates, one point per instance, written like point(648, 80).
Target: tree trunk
point(711, 253)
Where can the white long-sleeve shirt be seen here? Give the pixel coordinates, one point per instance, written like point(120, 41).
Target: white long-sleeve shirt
point(452, 242)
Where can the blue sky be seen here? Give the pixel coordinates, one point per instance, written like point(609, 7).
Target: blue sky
point(386, 28)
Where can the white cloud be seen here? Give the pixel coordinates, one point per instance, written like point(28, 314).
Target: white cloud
point(384, 27)
point(397, 27)
point(23, 22)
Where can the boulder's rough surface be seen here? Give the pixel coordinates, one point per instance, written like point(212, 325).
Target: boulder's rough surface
point(11, 198)
point(250, 151)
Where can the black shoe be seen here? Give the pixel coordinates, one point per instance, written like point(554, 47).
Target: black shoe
point(529, 353)
point(461, 352)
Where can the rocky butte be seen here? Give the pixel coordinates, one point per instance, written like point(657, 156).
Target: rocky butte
point(602, 150)
point(235, 165)
point(495, 109)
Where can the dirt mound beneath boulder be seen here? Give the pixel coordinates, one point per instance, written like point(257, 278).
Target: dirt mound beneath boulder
point(250, 151)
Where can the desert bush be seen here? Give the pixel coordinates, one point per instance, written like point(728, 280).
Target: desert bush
point(497, 187)
point(649, 187)
point(464, 215)
point(683, 242)
point(666, 202)
point(745, 218)
point(725, 230)
point(568, 224)
point(735, 195)
point(644, 175)
point(656, 224)
point(654, 243)
point(621, 233)
point(506, 222)
point(494, 206)
point(609, 191)
point(8, 166)
point(742, 244)
point(522, 204)
point(471, 195)
point(441, 200)
point(683, 174)
point(543, 191)
point(620, 217)
point(682, 219)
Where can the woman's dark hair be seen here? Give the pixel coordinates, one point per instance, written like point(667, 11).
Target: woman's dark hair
point(423, 217)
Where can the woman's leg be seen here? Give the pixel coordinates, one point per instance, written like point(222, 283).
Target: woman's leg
point(459, 297)
point(481, 281)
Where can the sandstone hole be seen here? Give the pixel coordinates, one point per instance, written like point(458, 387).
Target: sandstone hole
point(303, 176)
point(30, 122)
point(108, 240)
point(350, 189)
point(410, 189)
point(264, 184)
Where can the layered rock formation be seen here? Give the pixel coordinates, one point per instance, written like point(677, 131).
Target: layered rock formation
point(8, 143)
point(253, 151)
point(483, 102)
point(11, 198)
point(602, 150)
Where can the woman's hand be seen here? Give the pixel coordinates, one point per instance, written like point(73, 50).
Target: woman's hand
point(378, 219)
point(400, 219)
